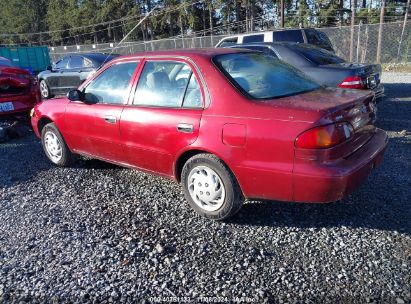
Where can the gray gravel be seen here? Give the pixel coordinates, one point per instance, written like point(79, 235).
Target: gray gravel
point(97, 232)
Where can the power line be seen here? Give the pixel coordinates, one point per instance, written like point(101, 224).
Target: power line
point(167, 10)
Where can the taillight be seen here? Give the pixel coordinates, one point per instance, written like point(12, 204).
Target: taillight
point(352, 82)
point(324, 136)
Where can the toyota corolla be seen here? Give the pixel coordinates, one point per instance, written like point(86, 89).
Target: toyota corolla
point(229, 125)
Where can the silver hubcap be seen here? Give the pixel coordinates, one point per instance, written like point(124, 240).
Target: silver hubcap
point(206, 188)
point(43, 88)
point(53, 146)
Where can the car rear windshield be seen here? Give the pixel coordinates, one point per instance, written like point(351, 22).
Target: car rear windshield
point(317, 55)
point(262, 76)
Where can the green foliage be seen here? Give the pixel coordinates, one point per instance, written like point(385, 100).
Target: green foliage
point(90, 21)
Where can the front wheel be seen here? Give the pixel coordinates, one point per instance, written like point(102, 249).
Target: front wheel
point(210, 187)
point(55, 147)
point(44, 89)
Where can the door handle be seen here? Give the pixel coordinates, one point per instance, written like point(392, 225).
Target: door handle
point(185, 128)
point(110, 119)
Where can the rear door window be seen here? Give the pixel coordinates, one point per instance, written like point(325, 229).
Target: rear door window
point(253, 38)
point(317, 55)
point(167, 84)
point(290, 35)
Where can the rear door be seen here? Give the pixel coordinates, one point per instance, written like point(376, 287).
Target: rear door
point(163, 115)
point(94, 126)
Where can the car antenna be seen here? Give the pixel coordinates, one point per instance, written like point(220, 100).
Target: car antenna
point(128, 34)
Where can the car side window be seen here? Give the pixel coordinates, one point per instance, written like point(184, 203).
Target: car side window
point(228, 41)
point(76, 62)
point(167, 84)
point(253, 38)
point(111, 85)
point(288, 35)
point(192, 97)
point(62, 64)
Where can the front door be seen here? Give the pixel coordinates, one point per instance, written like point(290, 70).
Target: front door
point(94, 124)
point(163, 116)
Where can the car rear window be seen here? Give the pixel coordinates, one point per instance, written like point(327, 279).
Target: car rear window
point(261, 76)
point(253, 38)
point(291, 35)
point(318, 38)
point(317, 55)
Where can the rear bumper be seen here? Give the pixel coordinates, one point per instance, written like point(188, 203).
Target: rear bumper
point(313, 182)
point(21, 103)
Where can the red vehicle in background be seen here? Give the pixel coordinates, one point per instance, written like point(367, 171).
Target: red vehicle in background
point(19, 91)
point(229, 124)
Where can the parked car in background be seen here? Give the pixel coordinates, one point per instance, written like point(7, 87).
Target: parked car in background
point(19, 91)
point(304, 35)
point(224, 131)
point(69, 72)
point(324, 67)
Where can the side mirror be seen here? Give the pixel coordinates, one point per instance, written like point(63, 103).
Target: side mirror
point(49, 68)
point(75, 95)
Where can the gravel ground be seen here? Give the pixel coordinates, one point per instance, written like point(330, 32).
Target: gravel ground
point(97, 232)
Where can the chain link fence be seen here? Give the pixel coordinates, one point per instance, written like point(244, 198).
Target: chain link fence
point(365, 43)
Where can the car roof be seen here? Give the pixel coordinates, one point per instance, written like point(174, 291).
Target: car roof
point(194, 52)
point(92, 56)
point(268, 32)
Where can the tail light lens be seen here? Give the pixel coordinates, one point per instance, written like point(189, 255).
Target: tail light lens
point(352, 82)
point(324, 136)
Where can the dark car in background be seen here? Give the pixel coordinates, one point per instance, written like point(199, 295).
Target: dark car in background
point(304, 35)
point(19, 90)
point(323, 66)
point(69, 73)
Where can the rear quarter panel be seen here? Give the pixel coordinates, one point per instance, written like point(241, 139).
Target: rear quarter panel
point(261, 153)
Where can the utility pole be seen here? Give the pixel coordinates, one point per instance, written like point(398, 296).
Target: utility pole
point(403, 29)
point(282, 13)
point(353, 7)
point(380, 31)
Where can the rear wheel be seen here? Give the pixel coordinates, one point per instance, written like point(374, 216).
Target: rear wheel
point(55, 147)
point(210, 187)
point(44, 89)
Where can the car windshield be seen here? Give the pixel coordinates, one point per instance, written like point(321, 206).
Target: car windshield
point(263, 76)
point(317, 55)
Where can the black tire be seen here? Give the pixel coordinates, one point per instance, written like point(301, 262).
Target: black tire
point(233, 196)
point(67, 157)
point(44, 89)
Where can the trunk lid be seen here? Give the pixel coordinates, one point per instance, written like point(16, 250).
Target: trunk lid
point(369, 73)
point(334, 105)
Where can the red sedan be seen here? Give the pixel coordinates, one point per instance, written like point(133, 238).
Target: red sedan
point(19, 91)
point(228, 124)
